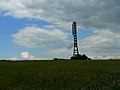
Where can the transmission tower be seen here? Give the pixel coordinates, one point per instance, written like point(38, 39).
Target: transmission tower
point(74, 33)
point(76, 55)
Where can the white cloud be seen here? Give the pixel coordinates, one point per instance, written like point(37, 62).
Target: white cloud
point(26, 55)
point(104, 44)
point(60, 53)
point(10, 58)
point(13, 58)
point(92, 14)
point(34, 37)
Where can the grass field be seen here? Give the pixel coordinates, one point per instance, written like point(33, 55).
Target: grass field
point(60, 75)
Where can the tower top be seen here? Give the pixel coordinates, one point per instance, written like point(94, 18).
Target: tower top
point(74, 22)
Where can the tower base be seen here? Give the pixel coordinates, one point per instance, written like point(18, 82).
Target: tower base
point(80, 57)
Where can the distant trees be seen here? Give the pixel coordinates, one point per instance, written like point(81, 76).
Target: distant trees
point(5, 60)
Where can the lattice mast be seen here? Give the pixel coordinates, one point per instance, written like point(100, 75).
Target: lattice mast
point(74, 32)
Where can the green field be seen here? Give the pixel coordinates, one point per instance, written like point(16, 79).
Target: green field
point(60, 75)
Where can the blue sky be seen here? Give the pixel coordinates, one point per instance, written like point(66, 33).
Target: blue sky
point(10, 25)
point(41, 29)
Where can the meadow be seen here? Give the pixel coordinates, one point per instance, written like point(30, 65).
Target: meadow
point(60, 75)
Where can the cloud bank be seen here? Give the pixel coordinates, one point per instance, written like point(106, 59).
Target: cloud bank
point(34, 37)
point(92, 14)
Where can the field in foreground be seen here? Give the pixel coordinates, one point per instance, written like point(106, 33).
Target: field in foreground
point(60, 75)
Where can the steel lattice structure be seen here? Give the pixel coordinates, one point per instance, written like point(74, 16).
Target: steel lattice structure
point(74, 32)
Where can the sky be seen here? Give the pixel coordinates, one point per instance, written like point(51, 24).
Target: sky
point(41, 29)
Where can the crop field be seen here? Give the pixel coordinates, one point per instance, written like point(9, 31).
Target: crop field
point(60, 75)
